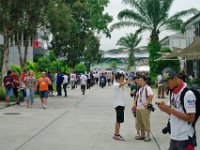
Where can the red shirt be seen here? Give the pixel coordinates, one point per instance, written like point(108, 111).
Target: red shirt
point(15, 81)
point(23, 77)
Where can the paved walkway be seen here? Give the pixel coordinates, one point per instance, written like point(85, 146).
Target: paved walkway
point(76, 123)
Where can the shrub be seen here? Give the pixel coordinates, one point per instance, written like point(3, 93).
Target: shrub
point(2, 93)
point(31, 65)
point(17, 68)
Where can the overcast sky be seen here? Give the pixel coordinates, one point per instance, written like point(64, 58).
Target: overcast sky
point(116, 5)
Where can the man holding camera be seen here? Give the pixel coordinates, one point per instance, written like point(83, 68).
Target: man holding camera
point(143, 100)
point(182, 132)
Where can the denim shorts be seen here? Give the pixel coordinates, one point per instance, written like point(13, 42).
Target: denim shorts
point(9, 92)
point(43, 94)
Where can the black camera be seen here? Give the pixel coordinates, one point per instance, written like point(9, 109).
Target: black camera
point(150, 107)
point(167, 129)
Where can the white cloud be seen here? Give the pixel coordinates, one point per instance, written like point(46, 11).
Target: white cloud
point(116, 5)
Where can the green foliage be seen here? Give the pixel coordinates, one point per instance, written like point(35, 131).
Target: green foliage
point(142, 15)
point(85, 18)
point(52, 56)
point(156, 67)
point(174, 64)
point(92, 53)
point(130, 42)
point(30, 65)
point(43, 64)
point(2, 93)
point(154, 49)
point(17, 68)
point(80, 68)
point(113, 65)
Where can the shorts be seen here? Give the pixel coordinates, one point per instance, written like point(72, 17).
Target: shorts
point(119, 114)
point(44, 94)
point(179, 145)
point(9, 92)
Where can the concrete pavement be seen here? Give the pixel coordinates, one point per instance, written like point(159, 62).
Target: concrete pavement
point(76, 123)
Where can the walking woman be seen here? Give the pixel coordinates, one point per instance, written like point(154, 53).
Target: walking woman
point(30, 83)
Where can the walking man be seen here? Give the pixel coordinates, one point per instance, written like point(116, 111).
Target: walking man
point(43, 83)
point(83, 82)
point(65, 83)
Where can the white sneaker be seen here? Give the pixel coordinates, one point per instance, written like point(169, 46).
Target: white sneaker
point(44, 106)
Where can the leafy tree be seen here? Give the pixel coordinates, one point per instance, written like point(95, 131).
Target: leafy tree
point(130, 42)
point(153, 16)
point(28, 24)
point(9, 16)
point(91, 53)
point(52, 56)
point(86, 18)
point(43, 64)
point(80, 68)
point(113, 64)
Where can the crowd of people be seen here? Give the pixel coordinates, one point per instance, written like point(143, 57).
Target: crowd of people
point(181, 108)
point(28, 85)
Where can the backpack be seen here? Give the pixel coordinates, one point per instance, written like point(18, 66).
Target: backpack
point(197, 114)
point(197, 95)
point(8, 82)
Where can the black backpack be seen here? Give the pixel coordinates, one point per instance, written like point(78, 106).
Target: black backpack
point(197, 95)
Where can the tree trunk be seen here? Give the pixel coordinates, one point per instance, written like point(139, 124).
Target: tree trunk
point(6, 36)
point(19, 47)
point(155, 35)
point(23, 65)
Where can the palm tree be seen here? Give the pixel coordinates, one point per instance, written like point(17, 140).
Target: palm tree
point(130, 42)
point(153, 16)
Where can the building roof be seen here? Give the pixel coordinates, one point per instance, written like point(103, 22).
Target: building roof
point(192, 18)
point(190, 52)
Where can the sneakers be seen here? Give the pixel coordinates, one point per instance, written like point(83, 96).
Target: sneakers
point(147, 138)
point(139, 137)
point(118, 137)
point(44, 107)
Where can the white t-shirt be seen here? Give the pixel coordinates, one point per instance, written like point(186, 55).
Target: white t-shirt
point(65, 79)
point(142, 96)
point(159, 79)
point(72, 77)
point(119, 95)
point(83, 79)
point(180, 129)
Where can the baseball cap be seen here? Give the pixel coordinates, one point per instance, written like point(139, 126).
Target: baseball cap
point(168, 74)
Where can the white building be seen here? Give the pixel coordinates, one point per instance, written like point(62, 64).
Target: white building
point(37, 46)
point(173, 41)
point(191, 53)
point(193, 46)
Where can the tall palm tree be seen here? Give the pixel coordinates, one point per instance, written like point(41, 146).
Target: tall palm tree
point(130, 42)
point(153, 16)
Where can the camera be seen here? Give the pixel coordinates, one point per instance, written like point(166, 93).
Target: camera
point(167, 129)
point(150, 107)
